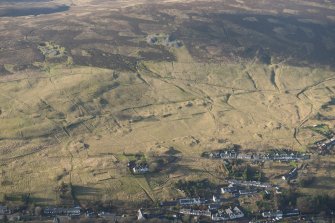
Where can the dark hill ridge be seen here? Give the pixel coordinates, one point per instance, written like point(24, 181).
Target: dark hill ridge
point(16, 11)
point(269, 32)
point(291, 38)
point(24, 1)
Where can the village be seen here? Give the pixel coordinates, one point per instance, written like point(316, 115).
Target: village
point(221, 206)
point(204, 201)
point(226, 203)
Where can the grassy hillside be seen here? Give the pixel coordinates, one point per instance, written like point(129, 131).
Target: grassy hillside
point(81, 96)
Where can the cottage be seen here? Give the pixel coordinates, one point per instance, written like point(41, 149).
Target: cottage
point(214, 155)
point(243, 156)
point(250, 184)
point(228, 214)
point(228, 154)
point(230, 189)
point(140, 169)
point(223, 154)
point(192, 201)
point(235, 213)
point(291, 213)
point(141, 215)
point(220, 216)
point(247, 192)
point(326, 145)
point(75, 211)
point(273, 214)
point(216, 199)
point(195, 212)
point(53, 211)
point(287, 155)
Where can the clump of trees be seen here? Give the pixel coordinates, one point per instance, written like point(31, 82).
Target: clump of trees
point(287, 199)
point(316, 204)
point(264, 205)
point(201, 188)
point(64, 193)
point(237, 169)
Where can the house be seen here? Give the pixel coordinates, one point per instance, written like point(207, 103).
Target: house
point(230, 189)
point(216, 199)
point(138, 168)
point(287, 155)
point(228, 214)
point(228, 154)
point(243, 156)
point(250, 183)
point(141, 215)
point(240, 188)
point(223, 154)
point(4, 210)
point(325, 145)
point(220, 216)
point(273, 214)
point(214, 155)
point(247, 192)
point(291, 213)
point(329, 143)
point(234, 213)
point(53, 211)
point(191, 201)
point(75, 211)
point(195, 212)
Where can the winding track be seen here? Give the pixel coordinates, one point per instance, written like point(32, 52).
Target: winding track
point(308, 101)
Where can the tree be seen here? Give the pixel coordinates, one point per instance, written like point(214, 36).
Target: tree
point(305, 204)
point(287, 199)
point(25, 198)
point(316, 204)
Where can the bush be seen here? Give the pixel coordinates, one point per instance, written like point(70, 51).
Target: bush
point(306, 181)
